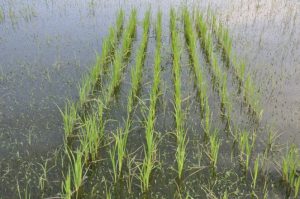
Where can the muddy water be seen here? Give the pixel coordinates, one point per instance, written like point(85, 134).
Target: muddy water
point(46, 46)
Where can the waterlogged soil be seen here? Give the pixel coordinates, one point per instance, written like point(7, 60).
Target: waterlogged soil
point(47, 46)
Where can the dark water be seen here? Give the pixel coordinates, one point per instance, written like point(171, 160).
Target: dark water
point(46, 47)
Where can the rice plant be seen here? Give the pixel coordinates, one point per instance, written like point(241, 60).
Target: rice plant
point(150, 148)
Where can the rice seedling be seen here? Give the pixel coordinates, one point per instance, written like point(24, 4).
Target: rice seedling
point(150, 148)
point(255, 172)
point(225, 195)
point(296, 187)
point(207, 126)
point(225, 101)
point(117, 153)
point(69, 118)
point(252, 98)
point(1, 14)
point(84, 90)
point(119, 23)
point(290, 165)
point(77, 171)
point(90, 140)
point(214, 142)
point(66, 186)
point(245, 148)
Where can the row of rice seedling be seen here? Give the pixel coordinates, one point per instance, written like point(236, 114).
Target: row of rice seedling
point(219, 78)
point(93, 126)
point(249, 90)
point(151, 142)
point(210, 134)
point(180, 132)
point(136, 73)
point(119, 149)
point(89, 81)
point(191, 41)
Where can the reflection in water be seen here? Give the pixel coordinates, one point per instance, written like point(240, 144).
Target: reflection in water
point(46, 46)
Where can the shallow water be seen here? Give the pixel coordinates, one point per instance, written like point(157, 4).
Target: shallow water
point(46, 47)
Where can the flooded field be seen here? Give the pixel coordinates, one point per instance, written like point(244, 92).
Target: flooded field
point(149, 99)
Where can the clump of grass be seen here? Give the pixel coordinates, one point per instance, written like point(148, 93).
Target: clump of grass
point(151, 145)
point(180, 134)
